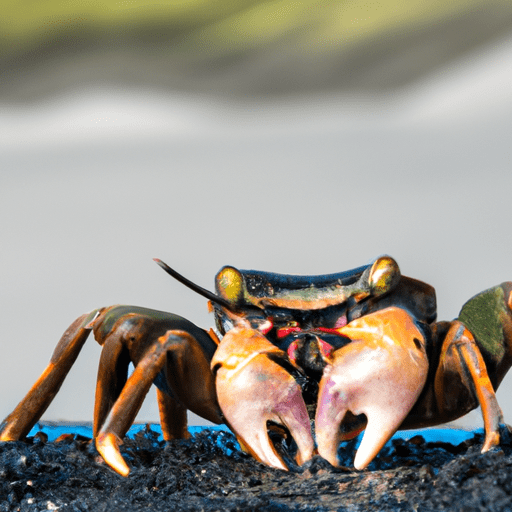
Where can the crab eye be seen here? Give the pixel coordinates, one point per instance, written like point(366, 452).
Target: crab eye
point(384, 275)
point(230, 285)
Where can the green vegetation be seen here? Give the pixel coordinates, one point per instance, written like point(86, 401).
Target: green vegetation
point(221, 27)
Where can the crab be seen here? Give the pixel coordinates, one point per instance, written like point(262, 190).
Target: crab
point(353, 350)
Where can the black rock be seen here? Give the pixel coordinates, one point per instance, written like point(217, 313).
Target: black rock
point(209, 473)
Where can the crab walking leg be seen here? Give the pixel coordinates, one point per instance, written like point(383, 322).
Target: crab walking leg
point(380, 374)
point(126, 407)
point(461, 356)
point(19, 423)
point(173, 417)
point(491, 411)
point(253, 387)
point(112, 376)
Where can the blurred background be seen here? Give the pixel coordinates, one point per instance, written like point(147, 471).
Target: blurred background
point(296, 137)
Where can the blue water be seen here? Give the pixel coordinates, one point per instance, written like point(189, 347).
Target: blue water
point(54, 430)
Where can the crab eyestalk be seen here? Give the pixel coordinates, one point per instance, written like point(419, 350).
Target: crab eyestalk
point(254, 387)
point(380, 374)
point(384, 275)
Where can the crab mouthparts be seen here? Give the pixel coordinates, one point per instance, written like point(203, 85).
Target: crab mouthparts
point(313, 349)
point(310, 351)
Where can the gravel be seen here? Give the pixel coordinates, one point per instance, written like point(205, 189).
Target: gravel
point(209, 473)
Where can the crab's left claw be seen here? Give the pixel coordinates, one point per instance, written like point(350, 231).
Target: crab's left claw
point(379, 374)
point(254, 387)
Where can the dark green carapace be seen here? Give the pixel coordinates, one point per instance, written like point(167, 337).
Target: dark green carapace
point(483, 315)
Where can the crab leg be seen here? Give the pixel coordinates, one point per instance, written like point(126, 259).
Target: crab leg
point(183, 349)
point(380, 374)
point(19, 423)
point(461, 356)
point(254, 386)
point(112, 377)
point(126, 407)
point(173, 417)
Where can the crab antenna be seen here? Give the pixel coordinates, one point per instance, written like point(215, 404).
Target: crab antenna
point(195, 287)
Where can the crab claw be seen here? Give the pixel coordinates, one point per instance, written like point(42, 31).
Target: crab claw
point(254, 386)
point(379, 374)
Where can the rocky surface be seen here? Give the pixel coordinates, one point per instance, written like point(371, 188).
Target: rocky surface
point(209, 473)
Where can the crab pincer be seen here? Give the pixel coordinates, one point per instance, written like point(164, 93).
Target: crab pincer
point(255, 386)
point(380, 374)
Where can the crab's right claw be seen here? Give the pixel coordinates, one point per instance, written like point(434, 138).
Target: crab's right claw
point(255, 386)
point(380, 374)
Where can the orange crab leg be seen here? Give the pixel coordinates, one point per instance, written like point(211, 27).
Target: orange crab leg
point(19, 423)
point(379, 374)
point(174, 343)
point(173, 417)
point(461, 356)
point(112, 375)
point(491, 411)
point(460, 384)
point(254, 387)
point(127, 406)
